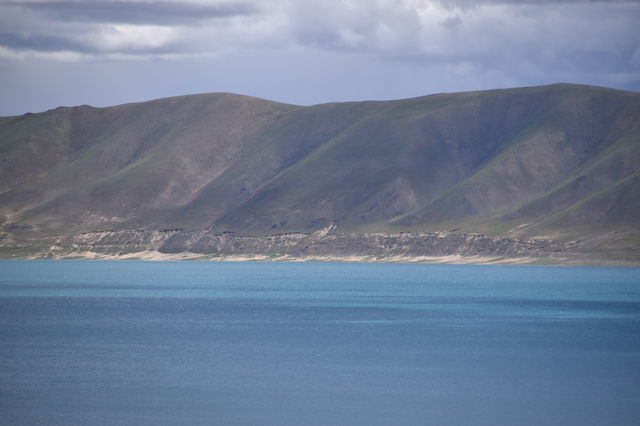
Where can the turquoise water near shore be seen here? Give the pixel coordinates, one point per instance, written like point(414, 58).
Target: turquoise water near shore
point(127, 342)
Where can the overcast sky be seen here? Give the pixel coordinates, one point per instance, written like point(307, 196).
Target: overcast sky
point(107, 52)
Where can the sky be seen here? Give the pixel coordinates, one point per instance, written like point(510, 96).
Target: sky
point(109, 52)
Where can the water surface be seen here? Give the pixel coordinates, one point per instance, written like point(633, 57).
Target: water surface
point(125, 342)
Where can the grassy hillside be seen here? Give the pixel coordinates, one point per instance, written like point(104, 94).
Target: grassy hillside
point(557, 161)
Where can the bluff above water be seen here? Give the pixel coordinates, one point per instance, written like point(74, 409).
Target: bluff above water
point(555, 163)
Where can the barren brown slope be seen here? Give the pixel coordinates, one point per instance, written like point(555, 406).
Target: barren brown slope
point(102, 167)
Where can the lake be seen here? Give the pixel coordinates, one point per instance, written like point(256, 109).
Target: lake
point(223, 343)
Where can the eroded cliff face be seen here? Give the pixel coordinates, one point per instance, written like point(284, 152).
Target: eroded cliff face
point(327, 244)
point(341, 244)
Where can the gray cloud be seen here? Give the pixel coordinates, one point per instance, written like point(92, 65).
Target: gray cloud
point(470, 3)
point(366, 49)
point(123, 28)
point(385, 27)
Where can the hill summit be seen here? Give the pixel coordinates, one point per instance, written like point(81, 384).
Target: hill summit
point(544, 174)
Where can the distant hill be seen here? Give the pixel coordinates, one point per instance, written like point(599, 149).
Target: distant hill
point(557, 163)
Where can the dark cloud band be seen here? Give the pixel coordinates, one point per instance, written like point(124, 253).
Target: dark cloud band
point(48, 44)
point(150, 13)
point(41, 43)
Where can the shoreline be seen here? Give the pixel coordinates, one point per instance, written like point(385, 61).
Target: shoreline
point(456, 259)
point(326, 245)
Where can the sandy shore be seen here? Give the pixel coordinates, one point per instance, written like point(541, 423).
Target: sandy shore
point(158, 256)
point(152, 255)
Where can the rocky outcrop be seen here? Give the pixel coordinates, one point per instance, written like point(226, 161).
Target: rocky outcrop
point(119, 241)
point(326, 243)
point(322, 243)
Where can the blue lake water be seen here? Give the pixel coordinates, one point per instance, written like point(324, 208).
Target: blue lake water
point(148, 343)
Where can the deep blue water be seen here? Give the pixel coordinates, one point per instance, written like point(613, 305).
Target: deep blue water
point(135, 343)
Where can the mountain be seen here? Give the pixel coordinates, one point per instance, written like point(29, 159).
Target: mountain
point(558, 164)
